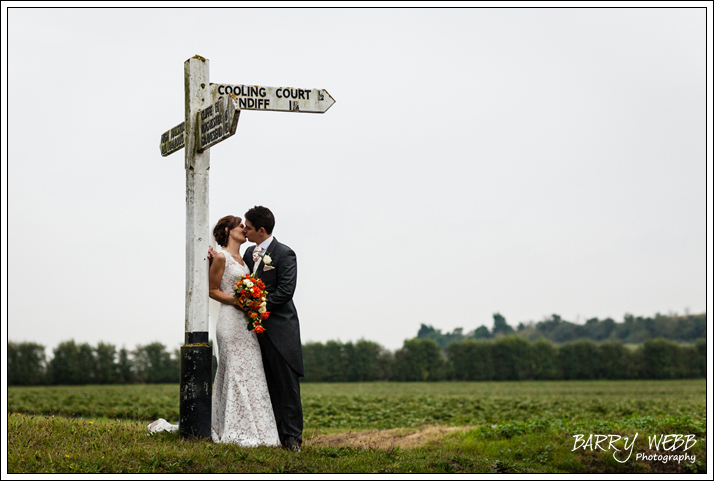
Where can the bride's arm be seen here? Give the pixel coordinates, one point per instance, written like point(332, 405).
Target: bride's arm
point(214, 281)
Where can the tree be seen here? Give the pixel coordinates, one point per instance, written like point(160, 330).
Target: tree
point(365, 363)
point(482, 332)
point(337, 363)
point(615, 361)
point(425, 331)
point(692, 327)
point(687, 362)
point(419, 360)
point(578, 359)
point(598, 330)
point(658, 359)
point(470, 360)
point(314, 360)
point(25, 364)
point(386, 362)
point(106, 369)
point(566, 331)
point(87, 362)
point(511, 358)
point(701, 346)
point(544, 360)
point(64, 368)
point(125, 367)
point(500, 326)
point(153, 364)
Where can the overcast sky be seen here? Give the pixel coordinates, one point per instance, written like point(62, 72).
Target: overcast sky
point(521, 161)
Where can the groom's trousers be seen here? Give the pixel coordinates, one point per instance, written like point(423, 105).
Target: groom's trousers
point(284, 388)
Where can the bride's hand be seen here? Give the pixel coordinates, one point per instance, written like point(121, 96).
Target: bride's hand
point(211, 254)
point(238, 306)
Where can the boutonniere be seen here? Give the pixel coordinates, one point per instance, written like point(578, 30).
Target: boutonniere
point(267, 262)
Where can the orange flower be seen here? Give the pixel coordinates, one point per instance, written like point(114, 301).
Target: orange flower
point(253, 315)
point(264, 315)
point(258, 329)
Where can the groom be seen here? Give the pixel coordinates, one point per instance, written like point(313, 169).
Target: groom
point(276, 265)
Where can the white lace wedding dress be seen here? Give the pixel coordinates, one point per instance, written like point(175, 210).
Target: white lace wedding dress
point(242, 411)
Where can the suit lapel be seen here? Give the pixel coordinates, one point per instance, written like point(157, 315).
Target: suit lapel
point(268, 252)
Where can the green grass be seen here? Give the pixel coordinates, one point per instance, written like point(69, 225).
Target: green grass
point(509, 427)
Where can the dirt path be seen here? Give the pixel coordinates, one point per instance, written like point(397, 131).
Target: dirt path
point(385, 439)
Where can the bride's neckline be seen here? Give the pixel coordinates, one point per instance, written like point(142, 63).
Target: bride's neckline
point(239, 261)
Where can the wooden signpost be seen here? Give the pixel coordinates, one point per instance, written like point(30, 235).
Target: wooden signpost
point(211, 116)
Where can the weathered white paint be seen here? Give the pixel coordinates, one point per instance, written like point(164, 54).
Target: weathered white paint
point(196, 90)
point(281, 99)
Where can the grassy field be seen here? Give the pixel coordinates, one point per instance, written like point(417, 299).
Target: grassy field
point(468, 427)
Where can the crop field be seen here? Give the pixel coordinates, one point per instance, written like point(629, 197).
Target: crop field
point(450, 427)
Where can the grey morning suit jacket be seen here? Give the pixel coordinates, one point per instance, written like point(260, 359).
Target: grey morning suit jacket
point(282, 326)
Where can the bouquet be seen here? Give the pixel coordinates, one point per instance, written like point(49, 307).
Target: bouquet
point(250, 296)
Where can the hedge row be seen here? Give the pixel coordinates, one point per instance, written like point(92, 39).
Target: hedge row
point(505, 358)
point(83, 364)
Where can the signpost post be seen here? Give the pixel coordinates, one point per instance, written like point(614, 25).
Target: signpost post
point(211, 116)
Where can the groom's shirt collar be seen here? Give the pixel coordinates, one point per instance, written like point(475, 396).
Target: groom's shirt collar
point(264, 245)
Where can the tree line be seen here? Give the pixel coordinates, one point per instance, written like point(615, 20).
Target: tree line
point(632, 330)
point(74, 363)
point(507, 358)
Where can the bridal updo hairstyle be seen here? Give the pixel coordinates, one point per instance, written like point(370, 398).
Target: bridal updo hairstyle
point(223, 227)
point(261, 216)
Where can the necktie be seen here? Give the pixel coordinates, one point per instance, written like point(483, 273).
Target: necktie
point(256, 253)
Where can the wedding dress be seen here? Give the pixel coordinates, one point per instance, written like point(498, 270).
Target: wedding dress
point(242, 412)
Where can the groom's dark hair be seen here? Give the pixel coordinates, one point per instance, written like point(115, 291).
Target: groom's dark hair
point(261, 216)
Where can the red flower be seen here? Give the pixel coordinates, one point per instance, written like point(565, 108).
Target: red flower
point(258, 329)
point(264, 315)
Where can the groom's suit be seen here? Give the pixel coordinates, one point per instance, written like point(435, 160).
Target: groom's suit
point(280, 344)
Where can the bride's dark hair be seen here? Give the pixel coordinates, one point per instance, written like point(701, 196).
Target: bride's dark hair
point(220, 233)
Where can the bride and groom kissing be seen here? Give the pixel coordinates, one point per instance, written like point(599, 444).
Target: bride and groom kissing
point(256, 390)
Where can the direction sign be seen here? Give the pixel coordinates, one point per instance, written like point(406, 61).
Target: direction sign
point(281, 99)
point(173, 139)
point(217, 122)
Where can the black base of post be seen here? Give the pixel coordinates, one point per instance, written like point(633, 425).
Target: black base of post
point(196, 386)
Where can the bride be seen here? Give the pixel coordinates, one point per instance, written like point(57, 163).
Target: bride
point(242, 412)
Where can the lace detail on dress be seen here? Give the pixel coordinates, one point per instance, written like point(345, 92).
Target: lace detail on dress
point(242, 411)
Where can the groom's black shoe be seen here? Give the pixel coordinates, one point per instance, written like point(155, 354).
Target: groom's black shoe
point(292, 444)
